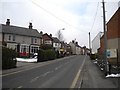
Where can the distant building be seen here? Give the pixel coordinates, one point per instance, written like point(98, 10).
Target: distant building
point(73, 47)
point(76, 49)
point(96, 42)
point(26, 41)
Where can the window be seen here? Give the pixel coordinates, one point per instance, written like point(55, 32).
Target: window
point(48, 42)
point(56, 44)
point(32, 40)
point(34, 49)
point(9, 37)
point(13, 37)
point(35, 40)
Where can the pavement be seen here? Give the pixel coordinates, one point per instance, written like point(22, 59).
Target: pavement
point(93, 77)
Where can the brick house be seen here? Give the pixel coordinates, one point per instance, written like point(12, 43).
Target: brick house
point(47, 39)
point(26, 41)
point(113, 36)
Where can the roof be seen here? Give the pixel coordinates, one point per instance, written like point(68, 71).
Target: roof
point(20, 31)
point(48, 36)
point(55, 39)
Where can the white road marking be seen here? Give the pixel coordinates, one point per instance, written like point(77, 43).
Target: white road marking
point(34, 79)
point(19, 86)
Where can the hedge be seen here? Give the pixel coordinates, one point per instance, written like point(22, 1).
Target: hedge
point(45, 55)
point(8, 58)
point(93, 56)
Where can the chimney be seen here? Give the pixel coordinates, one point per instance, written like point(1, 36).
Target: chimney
point(73, 41)
point(8, 22)
point(51, 35)
point(41, 32)
point(76, 43)
point(30, 26)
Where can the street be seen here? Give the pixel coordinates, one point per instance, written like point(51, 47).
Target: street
point(72, 72)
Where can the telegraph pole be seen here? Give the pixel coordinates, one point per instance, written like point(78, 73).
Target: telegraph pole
point(105, 39)
point(89, 43)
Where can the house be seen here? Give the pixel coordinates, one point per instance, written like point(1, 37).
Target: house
point(96, 42)
point(76, 49)
point(56, 43)
point(68, 49)
point(26, 41)
point(113, 37)
point(47, 39)
point(113, 34)
point(73, 47)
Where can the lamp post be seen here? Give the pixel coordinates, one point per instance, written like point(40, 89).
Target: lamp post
point(60, 38)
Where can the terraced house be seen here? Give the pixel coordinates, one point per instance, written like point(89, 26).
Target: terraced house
point(26, 41)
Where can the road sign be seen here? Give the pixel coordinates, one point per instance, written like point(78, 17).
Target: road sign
point(112, 53)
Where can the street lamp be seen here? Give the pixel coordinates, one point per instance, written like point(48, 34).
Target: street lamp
point(60, 37)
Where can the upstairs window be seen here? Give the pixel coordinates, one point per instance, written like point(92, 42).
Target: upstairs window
point(35, 40)
point(9, 37)
point(13, 37)
point(48, 42)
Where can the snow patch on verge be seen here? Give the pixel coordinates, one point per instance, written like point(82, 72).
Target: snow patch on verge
point(113, 75)
point(27, 60)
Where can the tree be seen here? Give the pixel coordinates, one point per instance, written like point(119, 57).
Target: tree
point(60, 35)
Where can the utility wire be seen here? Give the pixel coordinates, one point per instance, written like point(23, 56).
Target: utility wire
point(55, 16)
point(95, 17)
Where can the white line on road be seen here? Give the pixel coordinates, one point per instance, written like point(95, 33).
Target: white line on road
point(34, 79)
point(19, 86)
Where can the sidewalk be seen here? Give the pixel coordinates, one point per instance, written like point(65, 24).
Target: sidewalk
point(93, 77)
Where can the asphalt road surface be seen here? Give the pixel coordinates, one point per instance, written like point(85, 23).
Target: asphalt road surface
point(70, 72)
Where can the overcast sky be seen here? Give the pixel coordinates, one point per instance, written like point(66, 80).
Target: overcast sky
point(49, 16)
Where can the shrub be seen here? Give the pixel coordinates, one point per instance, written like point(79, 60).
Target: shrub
point(46, 47)
point(45, 55)
point(93, 56)
point(8, 58)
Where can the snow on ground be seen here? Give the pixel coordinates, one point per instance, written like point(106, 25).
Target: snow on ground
point(95, 62)
point(27, 60)
point(113, 75)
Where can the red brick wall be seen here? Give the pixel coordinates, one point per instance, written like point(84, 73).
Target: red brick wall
point(113, 26)
point(46, 37)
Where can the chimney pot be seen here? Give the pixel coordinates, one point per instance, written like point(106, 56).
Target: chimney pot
point(73, 41)
point(51, 35)
point(41, 32)
point(30, 26)
point(8, 22)
point(76, 43)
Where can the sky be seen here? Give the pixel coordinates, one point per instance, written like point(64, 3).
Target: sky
point(78, 17)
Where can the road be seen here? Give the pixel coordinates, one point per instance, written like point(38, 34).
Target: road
point(54, 74)
point(71, 72)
